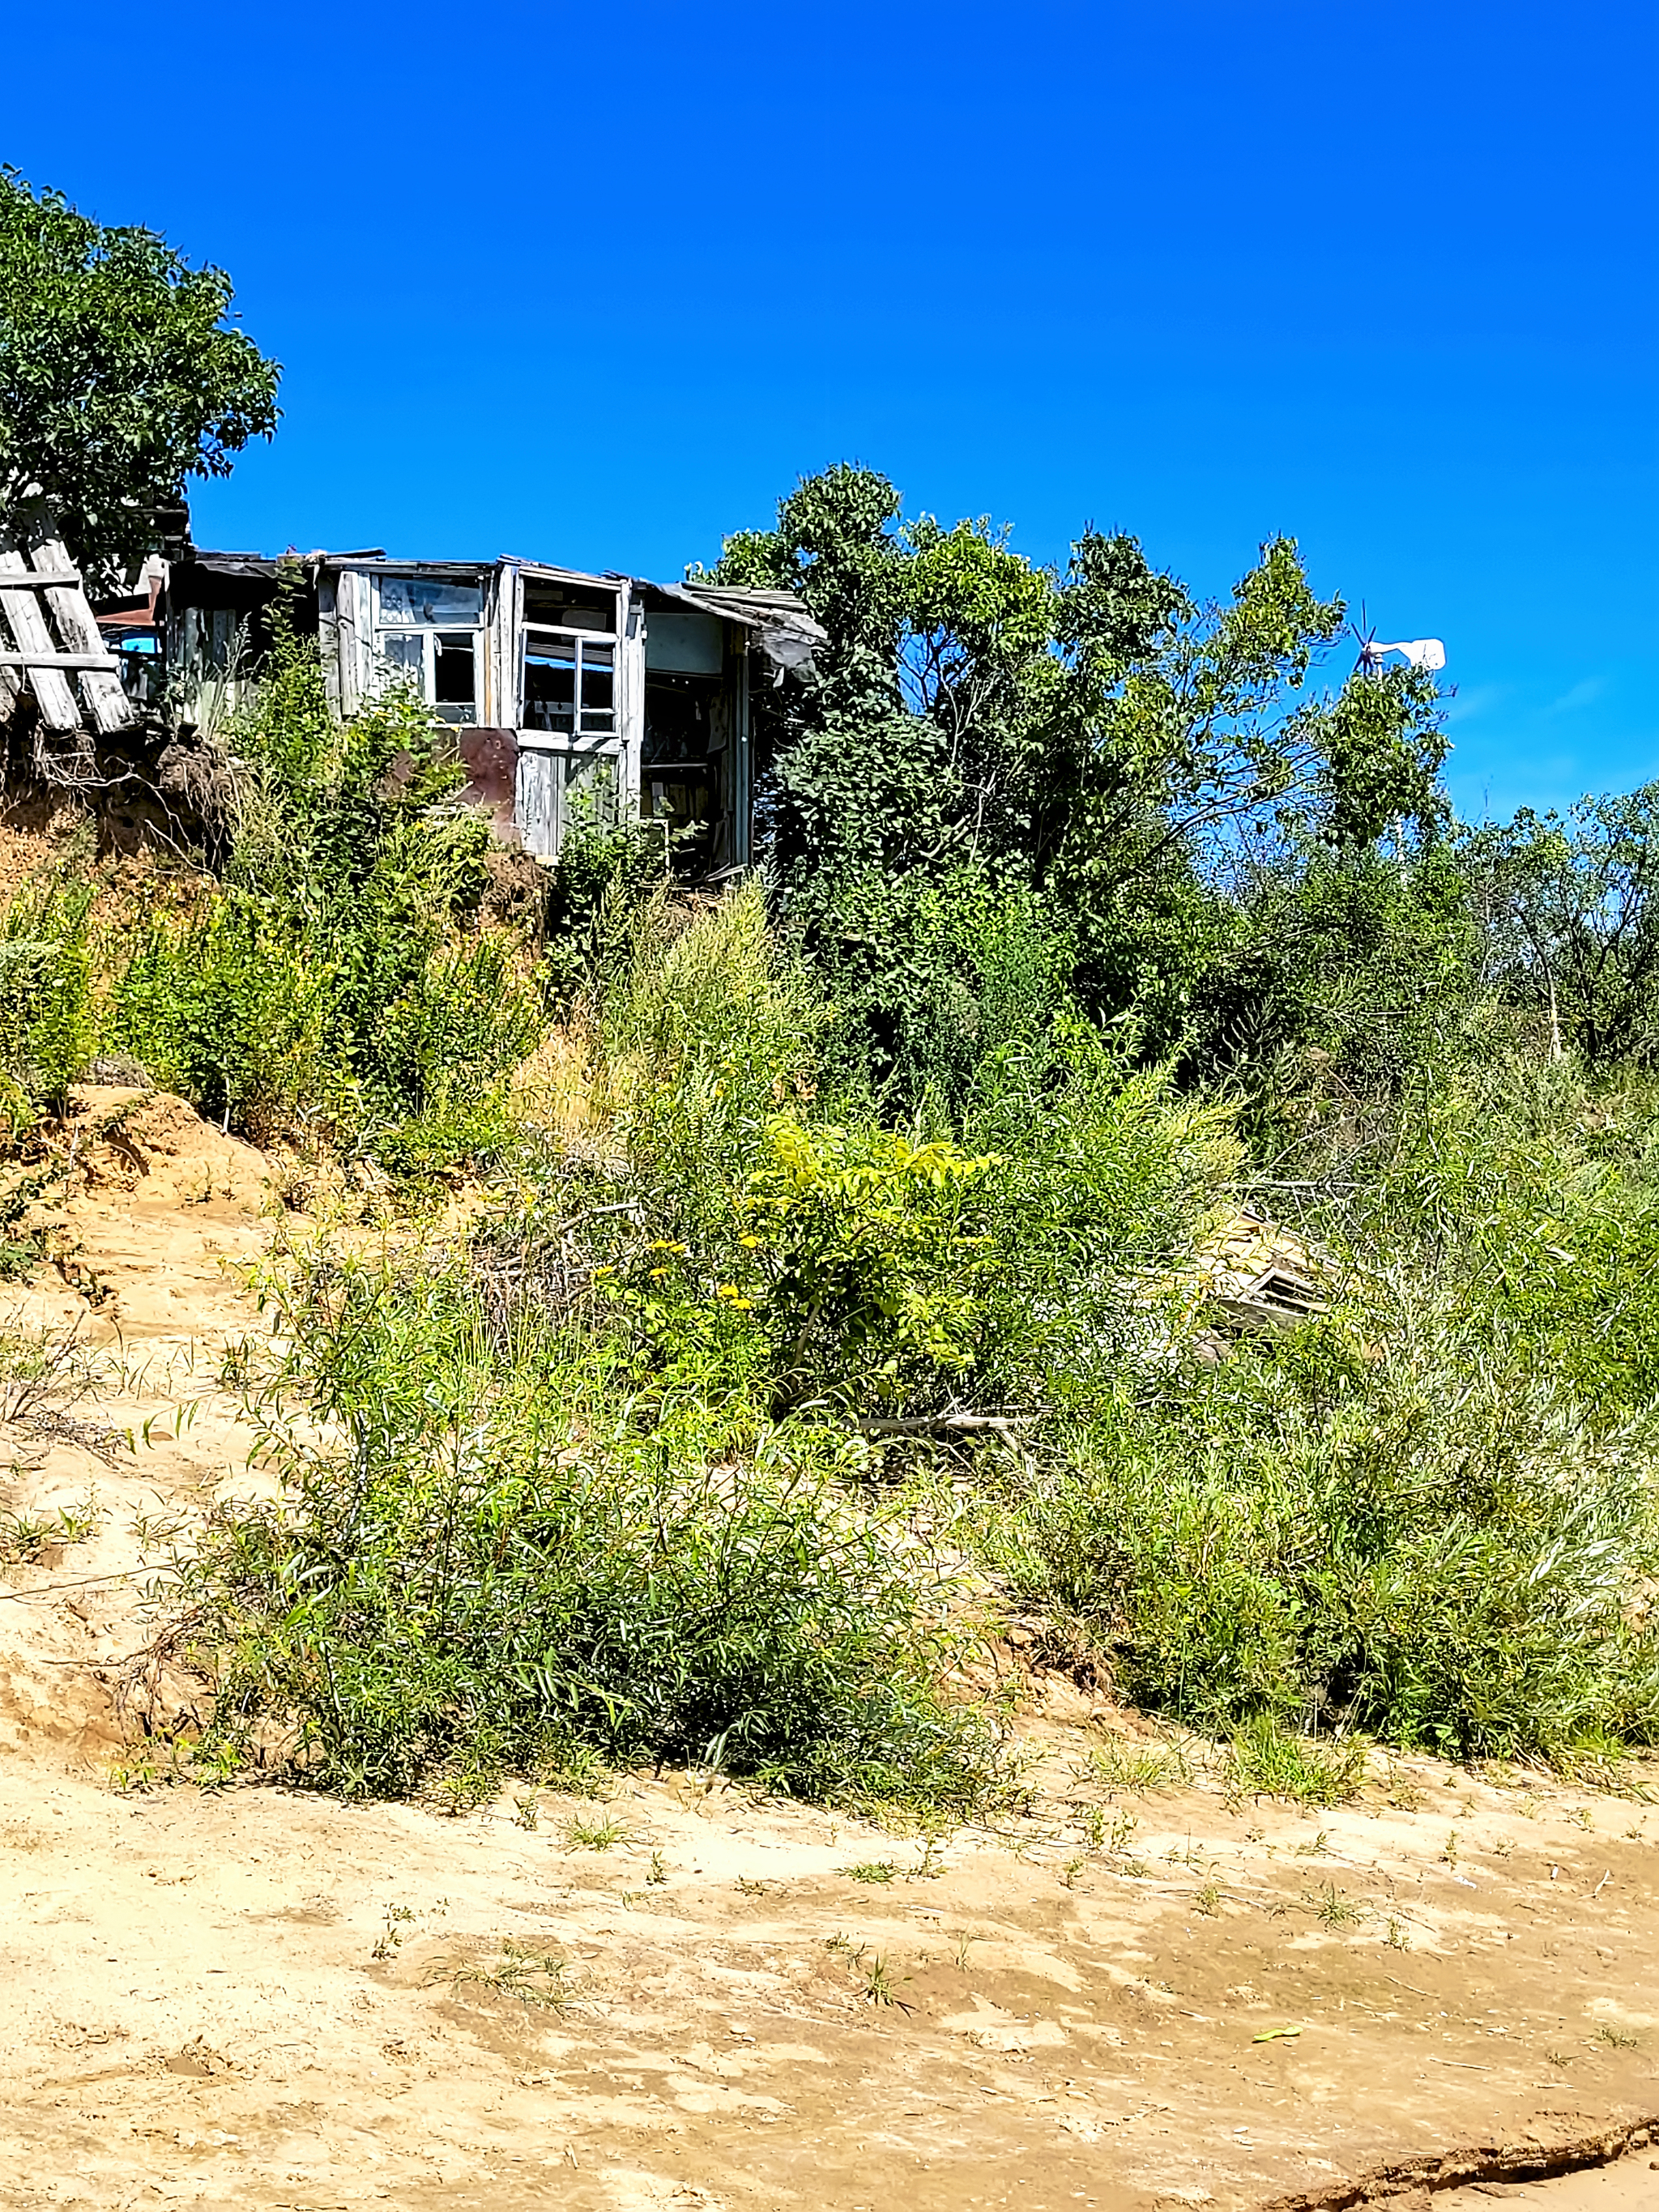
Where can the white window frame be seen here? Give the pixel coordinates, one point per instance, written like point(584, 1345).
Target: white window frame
point(429, 632)
point(579, 737)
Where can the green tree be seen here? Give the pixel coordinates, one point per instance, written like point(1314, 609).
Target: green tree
point(120, 377)
point(1094, 739)
point(1572, 921)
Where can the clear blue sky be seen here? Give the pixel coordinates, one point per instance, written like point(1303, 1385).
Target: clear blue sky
point(596, 283)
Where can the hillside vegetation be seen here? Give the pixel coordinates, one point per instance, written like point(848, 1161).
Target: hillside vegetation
point(836, 1278)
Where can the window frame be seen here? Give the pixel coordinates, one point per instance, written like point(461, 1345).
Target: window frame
point(578, 736)
point(452, 711)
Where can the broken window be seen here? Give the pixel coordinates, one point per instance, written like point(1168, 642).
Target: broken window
point(455, 682)
point(419, 640)
point(406, 657)
point(550, 664)
point(550, 605)
point(419, 601)
point(569, 685)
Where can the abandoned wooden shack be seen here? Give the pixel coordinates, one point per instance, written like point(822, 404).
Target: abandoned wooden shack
point(573, 696)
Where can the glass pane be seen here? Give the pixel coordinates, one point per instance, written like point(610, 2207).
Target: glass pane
point(598, 689)
point(550, 686)
point(404, 658)
point(457, 684)
point(420, 599)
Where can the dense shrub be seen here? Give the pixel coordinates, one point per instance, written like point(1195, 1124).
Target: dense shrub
point(334, 982)
point(1433, 1516)
point(494, 1569)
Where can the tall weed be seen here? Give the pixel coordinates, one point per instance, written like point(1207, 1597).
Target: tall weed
point(1381, 1522)
point(48, 1013)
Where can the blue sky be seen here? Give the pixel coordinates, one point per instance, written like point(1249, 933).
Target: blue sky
point(596, 283)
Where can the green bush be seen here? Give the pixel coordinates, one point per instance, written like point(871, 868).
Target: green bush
point(1395, 1522)
point(495, 1569)
point(231, 1014)
point(930, 981)
point(791, 1243)
point(337, 980)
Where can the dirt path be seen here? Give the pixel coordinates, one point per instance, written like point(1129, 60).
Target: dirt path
point(262, 1999)
point(681, 1998)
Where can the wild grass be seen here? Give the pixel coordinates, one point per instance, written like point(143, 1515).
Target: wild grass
point(1397, 1522)
point(542, 1980)
point(1269, 1761)
point(599, 1833)
point(1124, 1765)
point(26, 1536)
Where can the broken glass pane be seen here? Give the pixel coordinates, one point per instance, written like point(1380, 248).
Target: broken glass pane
point(423, 599)
point(406, 659)
point(457, 681)
point(599, 687)
point(568, 607)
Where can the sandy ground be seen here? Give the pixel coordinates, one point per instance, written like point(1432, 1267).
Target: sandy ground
point(687, 1997)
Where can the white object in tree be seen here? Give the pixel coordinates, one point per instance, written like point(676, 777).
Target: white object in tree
point(1420, 652)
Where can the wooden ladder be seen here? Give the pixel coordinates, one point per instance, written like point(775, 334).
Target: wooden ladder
point(49, 639)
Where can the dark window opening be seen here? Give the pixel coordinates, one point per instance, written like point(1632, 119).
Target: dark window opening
point(550, 686)
point(568, 607)
point(683, 767)
point(455, 680)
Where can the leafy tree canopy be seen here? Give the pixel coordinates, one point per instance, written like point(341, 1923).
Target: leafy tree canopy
point(984, 732)
point(119, 376)
point(1083, 728)
point(1569, 906)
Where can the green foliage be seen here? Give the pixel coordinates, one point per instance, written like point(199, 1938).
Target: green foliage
point(332, 982)
point(1538, 1190)
point(1092, 746)
point(1089, 904)
point(48, 1023)
point(604, 875)
point(1572, 922)
point(800, 1244)
point(1269, 1761)
point(864, 1247)
point(1337, 983)
point(495, 1567)
point(705, 1025)
point(1430, 1517)
point(120, 375)
point(932, 980)
point(216, 1006)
